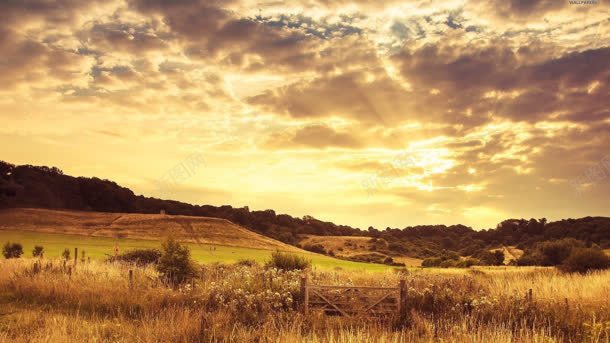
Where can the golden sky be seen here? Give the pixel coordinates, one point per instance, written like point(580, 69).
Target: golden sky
point(383, 113)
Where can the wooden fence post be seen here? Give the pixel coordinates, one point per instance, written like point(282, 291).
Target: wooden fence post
point(434, 316)
point(402, 299)
point(36, 267)
point(305, 293)
point(130, 278)
point(75, 256)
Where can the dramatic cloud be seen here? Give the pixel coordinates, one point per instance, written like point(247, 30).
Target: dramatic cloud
point(522, 10)
point(211, 31)
point(313, 136)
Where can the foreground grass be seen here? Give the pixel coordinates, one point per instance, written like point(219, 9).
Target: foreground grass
point(231, 303)
point(99, 248)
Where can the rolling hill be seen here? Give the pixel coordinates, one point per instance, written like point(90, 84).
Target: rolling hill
point(211, 240)
point(356, 248)
point(29, 186)
point(201, 230)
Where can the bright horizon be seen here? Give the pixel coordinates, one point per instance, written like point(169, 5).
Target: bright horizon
point(365, 114)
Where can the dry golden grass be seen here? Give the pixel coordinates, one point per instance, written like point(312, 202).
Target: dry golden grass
point(204, 230)
point(231, 303)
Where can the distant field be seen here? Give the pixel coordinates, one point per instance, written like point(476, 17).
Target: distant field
point(351, 246)
point(200, 230)
point(101, 247)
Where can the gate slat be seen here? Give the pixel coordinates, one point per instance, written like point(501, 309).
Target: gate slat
point(353, 300)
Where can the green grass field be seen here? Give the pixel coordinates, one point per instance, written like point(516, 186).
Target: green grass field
point(101, 247)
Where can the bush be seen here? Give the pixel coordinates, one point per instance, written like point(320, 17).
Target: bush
point(448, 264)
point(396, 247)
point(317, 248)
point(66, 254)
point(467, 263)
point(550, 253)
point(488, 258)
point(582, 260)
point(555, 252)
point(530, 259)
point(247, 262)
point(140, 257)
point(432, 262)
point(371, 257)
point(175, 264)
point(286, 261)
point(38, 251)
point(12, 250)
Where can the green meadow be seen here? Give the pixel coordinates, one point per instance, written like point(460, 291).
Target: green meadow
point(102, 247)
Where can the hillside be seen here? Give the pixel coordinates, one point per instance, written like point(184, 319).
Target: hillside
point(48, 187)
point(203, 230)
point(355, 248)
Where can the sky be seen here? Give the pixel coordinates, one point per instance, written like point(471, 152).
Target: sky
point(365, 113)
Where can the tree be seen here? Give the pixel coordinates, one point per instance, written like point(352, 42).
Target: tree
point(550, 253)
point(38, 251)
point(175, 264)
point(555, 252)
point(12, 250)
point(66, 254)
point(582, 260)
point(489, 258)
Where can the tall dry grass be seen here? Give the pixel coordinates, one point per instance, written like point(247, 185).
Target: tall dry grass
point(229, 303)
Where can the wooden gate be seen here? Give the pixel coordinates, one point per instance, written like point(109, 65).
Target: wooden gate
point(352, 301)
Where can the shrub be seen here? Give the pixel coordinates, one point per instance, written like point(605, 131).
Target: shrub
point(371, 257)
point(449, 260)
point(66, 254)
point(12, 250)
point(448, 264)
point(530, 259)
point(555, 252)
point(432, 262)
point(317, 248)
point(175, 264)
point(286, 261)
point(38, 251)
point(140, 257)
point(582, 260)
point(550, 253)
point(247, 262)
point(396, 247)
point(467, 263)
point(488, 258)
